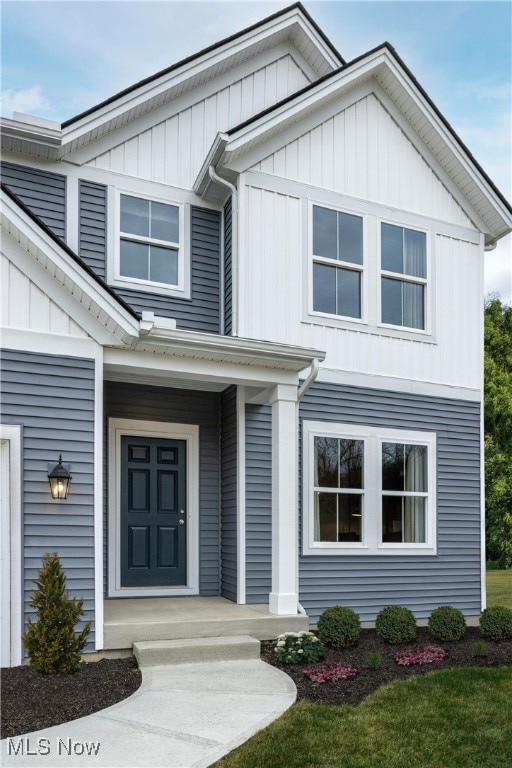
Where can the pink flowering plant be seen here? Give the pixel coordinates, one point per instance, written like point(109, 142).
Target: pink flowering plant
point(331, 673)
point(297, 647)
point(430, 654)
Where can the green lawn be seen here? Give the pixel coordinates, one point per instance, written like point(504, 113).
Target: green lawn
point(499, 588)
point(453, 719)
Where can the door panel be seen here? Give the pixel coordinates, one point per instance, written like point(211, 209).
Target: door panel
point(153, 512)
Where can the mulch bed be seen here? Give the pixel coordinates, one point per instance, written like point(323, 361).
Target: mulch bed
point(31, 701)
point(354, 690)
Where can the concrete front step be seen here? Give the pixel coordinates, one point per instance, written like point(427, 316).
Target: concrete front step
point(153, 653)
point(128, 621)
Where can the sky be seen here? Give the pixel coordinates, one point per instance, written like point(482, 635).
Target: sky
point(60, 57)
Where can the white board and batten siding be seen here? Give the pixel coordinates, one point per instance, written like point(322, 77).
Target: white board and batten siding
point(24, 306)
point(173, 151)
point(383, 178)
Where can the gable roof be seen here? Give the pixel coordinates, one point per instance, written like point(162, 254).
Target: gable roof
point(115, 319)
point(204, 52)
point(385, 67)
point(292, 23)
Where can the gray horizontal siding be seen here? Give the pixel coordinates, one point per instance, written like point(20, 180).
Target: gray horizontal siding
point(202, 311)
point(229, 526)
point(258, 502)
point(145, 403)
point(228, 280)
point(58, 419)
point(368, 583)
point(41, 191)
point(92, 225)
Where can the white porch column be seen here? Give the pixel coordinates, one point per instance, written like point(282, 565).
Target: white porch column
point(283, 598)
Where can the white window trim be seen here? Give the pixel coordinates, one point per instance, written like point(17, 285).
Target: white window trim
point(11, 542)
point(316, 315)
point(189, 433)
point(114, 277)
point(371, 304)
point(373, 438)
point(426, 282)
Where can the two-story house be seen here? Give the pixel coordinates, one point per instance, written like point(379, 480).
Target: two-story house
point(243, 300)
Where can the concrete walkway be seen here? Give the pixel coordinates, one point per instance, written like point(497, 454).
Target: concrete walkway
point(183, 716)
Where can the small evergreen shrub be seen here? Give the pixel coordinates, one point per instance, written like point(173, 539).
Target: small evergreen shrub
point(295, 647)
point(52, 644)
point(396, 624)
point(339, 627)
point(496, 623)
point(447, 623)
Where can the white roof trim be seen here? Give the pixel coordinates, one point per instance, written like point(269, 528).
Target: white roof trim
point(25, 136)
point(112, 323)
point(381, 66)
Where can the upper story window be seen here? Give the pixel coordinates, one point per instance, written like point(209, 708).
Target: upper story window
point(337, 262)
point(403, 276)
point(149, 241)
point(368, 490)
point(150, 245)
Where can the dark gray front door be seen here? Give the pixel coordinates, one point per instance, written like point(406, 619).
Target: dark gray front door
point(153, 512)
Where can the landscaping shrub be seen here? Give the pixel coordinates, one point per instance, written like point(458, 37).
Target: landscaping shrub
point(447, 623)
point(52, 644)
point(496, 623)
point(396, 624)
point(295, 647)
point(339, 627)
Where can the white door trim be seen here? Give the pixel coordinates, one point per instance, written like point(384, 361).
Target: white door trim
point(188, 432)
point(12, 593)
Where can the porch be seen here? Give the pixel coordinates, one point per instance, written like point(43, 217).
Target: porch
point(128, 620)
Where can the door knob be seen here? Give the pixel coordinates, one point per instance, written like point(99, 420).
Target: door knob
point(181, 521)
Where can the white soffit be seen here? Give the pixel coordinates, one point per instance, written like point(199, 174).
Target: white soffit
point(110, 322)
point(382, 67)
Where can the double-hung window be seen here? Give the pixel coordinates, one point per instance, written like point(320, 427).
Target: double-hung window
point(337, 262)
point(403, 276)
point(150, 247)
point(368, 489)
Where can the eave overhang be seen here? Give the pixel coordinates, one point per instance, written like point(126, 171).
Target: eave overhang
point(291, 24)
point(383, 67)
point(113, 322)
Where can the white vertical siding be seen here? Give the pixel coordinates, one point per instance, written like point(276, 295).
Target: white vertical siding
point(363, 152)
point(24, 306)
point(273, 307)
point(174, 150)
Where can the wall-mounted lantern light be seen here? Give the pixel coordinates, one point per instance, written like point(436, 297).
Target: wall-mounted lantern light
point(59, 478)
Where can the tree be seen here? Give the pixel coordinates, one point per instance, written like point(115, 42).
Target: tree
point(52, 644)
point(498, 430)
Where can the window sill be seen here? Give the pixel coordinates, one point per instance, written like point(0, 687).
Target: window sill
point(362, 326)
point(148, 287)
point(360, 549)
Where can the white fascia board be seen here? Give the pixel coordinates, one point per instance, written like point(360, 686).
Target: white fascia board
point(210, 346)
point(213, 157)
point(156, 367)
point(293, 108)
point(122, 326)
point(278, 28)
point(258, 131)
point(24, 130)
point(453, 146)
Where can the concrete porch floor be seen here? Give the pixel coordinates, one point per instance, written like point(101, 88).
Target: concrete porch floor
point(128, 620)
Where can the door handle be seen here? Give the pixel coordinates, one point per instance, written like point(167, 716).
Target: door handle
point(181, 521)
